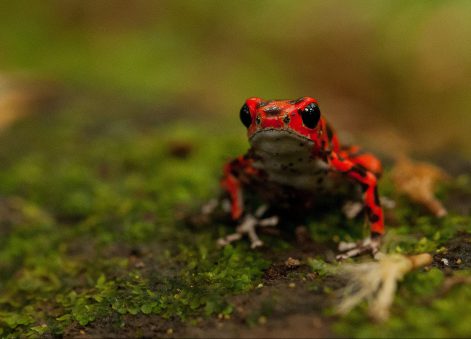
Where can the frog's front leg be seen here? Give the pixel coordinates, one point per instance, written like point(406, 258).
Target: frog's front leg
point(374, 211)
point(234, 172)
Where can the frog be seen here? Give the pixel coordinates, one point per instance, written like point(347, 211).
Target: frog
point(295, 158)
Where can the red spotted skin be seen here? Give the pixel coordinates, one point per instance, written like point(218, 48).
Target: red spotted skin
point(288, 156)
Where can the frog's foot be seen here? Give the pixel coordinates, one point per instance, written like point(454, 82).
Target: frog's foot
point(352, 249)
point(248, 225)
point(352, 208)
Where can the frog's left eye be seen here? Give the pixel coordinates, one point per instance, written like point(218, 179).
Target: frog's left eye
point(245, 115)
point(311, 115)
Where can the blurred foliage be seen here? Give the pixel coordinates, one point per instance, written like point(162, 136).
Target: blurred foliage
point(400, 66)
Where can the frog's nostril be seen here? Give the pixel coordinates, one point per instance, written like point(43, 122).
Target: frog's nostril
point(262, 104)
point(272, 110)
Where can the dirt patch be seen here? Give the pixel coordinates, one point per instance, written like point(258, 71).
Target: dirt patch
point(291, 326)
point(288, 304)
point(119, 326)
point(456, 254)
point(286, 309)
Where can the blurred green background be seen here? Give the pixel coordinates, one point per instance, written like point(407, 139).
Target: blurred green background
point(134, 108)
point(397, 70)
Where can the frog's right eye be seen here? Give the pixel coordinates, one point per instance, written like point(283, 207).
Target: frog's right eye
point(245, 115)
point(311, 115)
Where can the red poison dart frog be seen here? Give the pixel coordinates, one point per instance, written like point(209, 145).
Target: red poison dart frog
point(294, 160)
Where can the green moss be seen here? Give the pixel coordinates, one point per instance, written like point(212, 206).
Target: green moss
point(93, 226)
point(75, 213)
point(208, 278)
point(320, 267)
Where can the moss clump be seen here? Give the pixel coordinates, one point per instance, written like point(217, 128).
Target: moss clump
point(320, 267)
point(92, 226)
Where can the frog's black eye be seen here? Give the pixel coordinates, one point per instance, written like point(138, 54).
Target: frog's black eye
point(310, 115)
point(245, 115)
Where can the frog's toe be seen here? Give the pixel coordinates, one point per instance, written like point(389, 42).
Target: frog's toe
point(210, 207)
point(352, 208)
point(271, 221)
point(248, 227)
point(256, 243)
point(229, 239)
point(368, 245)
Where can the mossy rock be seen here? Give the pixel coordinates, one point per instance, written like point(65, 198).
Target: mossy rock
point(96, 239)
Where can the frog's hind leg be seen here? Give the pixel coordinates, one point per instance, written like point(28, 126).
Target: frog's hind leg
point(368, 182)
point(248, 226)
point(366, 160)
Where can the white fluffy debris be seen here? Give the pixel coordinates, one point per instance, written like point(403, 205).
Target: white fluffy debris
point(376, 282)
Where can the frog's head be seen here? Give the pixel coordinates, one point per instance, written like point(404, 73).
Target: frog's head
point(299, 119)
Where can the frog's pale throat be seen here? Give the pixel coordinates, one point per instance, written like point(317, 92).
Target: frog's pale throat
point(287, 159)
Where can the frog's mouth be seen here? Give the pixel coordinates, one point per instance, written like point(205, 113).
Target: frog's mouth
point(276, 141)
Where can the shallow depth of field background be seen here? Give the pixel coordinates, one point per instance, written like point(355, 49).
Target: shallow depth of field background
point(116, 118)
point(397, 70)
